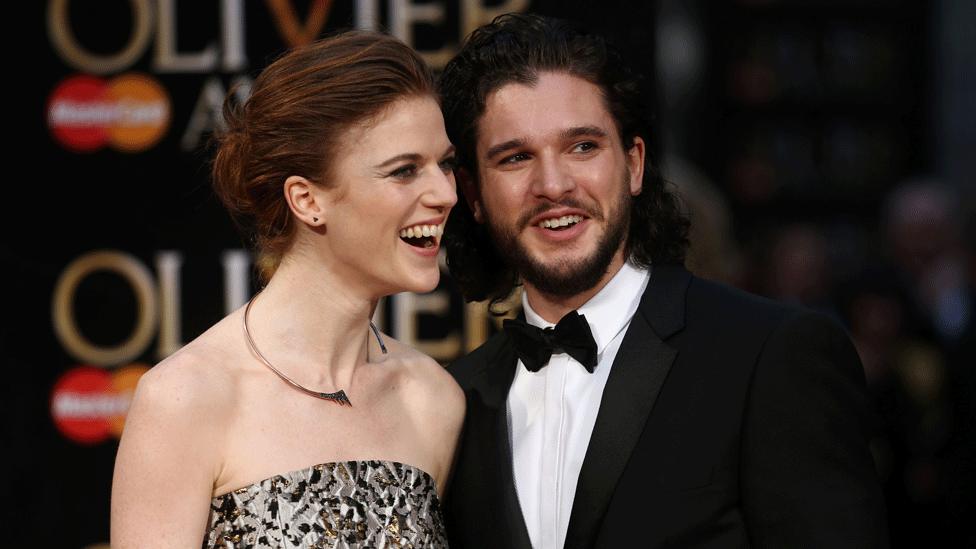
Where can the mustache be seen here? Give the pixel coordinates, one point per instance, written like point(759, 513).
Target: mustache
point(567, 202)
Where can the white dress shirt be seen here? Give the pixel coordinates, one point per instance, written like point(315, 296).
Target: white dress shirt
point(551, 412)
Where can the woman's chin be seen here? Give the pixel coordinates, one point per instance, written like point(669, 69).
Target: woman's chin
point(416, 281)
point(424, 282)
point(425, 285)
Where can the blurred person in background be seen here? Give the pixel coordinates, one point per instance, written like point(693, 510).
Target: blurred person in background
point(798, 270)
point(712, 250)
point(923, 231)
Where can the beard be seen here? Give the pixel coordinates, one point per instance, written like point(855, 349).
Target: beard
point(565, 277)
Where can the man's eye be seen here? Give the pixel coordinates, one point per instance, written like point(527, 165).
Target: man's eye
point(518, 157)
point(404, 172)
point(585, 146)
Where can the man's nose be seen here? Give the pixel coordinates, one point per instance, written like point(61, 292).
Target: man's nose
point(553, 178)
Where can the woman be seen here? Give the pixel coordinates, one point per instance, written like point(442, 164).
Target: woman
point(292, 422)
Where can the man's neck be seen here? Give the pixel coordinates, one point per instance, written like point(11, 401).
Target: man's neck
point(553, 307)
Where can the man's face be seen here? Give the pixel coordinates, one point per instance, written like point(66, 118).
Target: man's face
point(555, 182)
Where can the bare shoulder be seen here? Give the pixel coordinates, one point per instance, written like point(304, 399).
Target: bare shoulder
point(197, 379)
point(432, 388)
point(171, 448)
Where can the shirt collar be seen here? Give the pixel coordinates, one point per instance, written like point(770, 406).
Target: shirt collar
point(610, 310)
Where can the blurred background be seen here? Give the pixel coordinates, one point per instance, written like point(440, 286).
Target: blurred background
point(824, 149)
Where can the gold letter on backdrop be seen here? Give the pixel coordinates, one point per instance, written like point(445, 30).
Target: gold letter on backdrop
point(167, 58)
point(404, 14)
point(286, 19)
point(207, 114)
point(168, 265)
point(64, 41)
point(474, 13)
point(233, 55)
point(237, 290)
point(63, 307)
point(406, 308)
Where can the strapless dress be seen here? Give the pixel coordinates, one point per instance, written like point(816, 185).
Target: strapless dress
point(348, 504)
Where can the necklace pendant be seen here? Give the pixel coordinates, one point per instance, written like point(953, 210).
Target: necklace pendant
point(338, 397)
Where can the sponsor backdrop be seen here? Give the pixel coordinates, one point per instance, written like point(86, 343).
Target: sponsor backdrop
point(115, 252)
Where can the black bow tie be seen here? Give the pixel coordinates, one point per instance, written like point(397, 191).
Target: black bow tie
point(571, 336)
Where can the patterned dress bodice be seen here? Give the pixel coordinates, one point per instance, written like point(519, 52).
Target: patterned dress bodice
point(348, 504)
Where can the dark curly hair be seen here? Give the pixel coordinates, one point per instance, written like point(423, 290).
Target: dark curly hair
point(515, 48)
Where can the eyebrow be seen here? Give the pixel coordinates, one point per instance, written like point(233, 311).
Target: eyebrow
point(505, 146)
point(412, 157)
point(580, 131)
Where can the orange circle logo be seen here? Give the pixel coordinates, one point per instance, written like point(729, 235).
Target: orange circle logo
point(142, 108)
point(89, 404)
point(130, 113)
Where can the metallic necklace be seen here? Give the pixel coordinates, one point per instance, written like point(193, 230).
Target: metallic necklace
point(339, 397)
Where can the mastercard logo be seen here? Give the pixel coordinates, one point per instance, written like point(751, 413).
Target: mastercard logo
point(129, 113)
point(89, 404)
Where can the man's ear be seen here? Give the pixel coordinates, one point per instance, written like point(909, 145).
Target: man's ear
point(635, 162)
point(469, 187)
point(305, 200)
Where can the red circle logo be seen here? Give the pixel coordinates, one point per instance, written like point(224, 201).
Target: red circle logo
point(89, 404)
point(79, 114)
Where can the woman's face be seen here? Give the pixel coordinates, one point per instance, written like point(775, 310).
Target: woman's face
point(391, 189)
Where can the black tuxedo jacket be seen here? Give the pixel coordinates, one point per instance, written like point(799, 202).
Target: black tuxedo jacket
point(727, 421)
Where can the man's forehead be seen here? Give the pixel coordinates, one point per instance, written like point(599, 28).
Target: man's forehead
point(554, 104)
point(546, 86)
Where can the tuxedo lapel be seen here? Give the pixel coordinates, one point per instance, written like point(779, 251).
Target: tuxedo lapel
point(638, 373)
point(498, 376)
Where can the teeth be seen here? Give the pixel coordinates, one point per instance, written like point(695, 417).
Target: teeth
point(560, 221)
point(420, 231)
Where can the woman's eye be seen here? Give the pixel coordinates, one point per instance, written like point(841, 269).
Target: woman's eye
point(449, 164)
point(404, 172)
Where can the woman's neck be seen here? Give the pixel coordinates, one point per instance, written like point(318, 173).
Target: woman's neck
point(311, 325)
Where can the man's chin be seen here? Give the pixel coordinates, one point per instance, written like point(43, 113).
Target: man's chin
point(558, 255)
point(566, 276)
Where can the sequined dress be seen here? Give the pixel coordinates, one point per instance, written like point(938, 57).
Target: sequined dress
point(349, 504)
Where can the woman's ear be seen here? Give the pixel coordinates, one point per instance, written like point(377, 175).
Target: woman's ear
point(471, 195)
point(305, 200)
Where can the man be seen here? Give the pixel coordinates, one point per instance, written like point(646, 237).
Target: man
point(662, 409)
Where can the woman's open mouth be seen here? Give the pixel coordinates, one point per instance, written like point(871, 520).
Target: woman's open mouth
point(422, 236)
